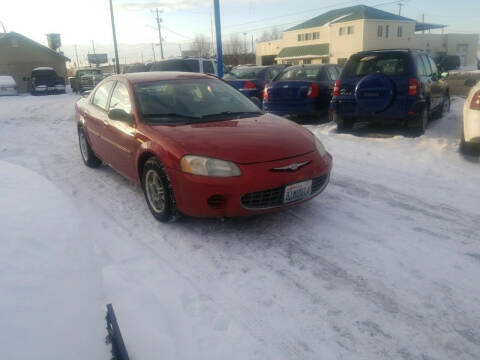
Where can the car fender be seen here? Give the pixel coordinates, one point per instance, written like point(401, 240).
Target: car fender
point(151, 148)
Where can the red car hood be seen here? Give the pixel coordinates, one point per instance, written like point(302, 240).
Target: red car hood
point(244, 141)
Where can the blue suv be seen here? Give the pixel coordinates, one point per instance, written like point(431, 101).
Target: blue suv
point(391, 86)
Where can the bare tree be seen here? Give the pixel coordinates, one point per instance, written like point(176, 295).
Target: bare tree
point(273, 34)
point(234, 46)
point(202, 45)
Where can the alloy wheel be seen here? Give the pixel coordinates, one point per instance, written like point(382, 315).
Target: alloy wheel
point(155, 191)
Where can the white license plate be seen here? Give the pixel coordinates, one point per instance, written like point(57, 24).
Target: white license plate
point(297, 192)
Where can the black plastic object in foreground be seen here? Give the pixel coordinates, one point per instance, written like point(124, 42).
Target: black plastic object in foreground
point(114, 337)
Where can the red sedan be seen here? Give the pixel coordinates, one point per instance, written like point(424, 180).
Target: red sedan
point(199, 147)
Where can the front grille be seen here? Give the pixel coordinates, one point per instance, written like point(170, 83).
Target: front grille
point(263, 199)
point(274, 197)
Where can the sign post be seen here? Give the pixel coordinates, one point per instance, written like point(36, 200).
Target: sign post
point(216, 6)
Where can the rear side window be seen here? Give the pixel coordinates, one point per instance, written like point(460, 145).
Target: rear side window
point(273, 72)
point(428, 67)
point(208, 67)
point(100, 98)
point(432, 65)
point(332, 73)
point(300, 73)
point(192, 65)
point(421, 67)
point(388, 64)
point(245, 73)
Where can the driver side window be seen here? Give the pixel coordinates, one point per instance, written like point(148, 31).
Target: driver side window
point(121, 98)
point(100, 98)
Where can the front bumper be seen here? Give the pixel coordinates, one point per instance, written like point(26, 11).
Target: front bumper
point(201, 196)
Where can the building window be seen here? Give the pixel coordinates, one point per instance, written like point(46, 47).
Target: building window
point(350, 30)
point(400, 31)
point(308, 36)
point(341, 31)
point(299, 37)
point(316, 35)
point(380, 31)
point(342, 61)
point(307, 61)
point(387, 30)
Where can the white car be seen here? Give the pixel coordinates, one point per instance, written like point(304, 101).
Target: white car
point(471, 121)
point(8, 86)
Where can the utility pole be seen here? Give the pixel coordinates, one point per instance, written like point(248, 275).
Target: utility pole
point(153, 50)
point(159, 24)
point(117, 61)
point(76, 55)
point(93, 47)
point(218, 28)
point(3, 26)
point(253, 49)
point(245, 42)
point(400, 5)
point(423, 21)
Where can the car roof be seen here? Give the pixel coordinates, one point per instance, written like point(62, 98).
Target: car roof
point(45, 68)
point(142, 77)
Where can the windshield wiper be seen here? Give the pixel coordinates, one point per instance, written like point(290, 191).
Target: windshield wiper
point(231, 113)
point(170, 115)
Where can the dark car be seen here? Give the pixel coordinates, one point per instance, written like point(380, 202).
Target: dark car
point(196, 65)
point(303, 90)
point(251, 80)
point(44, 80)
point(447, 62)
point(391, 86)
point(86, 79)
point(198, 146)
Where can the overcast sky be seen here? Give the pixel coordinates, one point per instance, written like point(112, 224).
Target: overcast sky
point(79, 22)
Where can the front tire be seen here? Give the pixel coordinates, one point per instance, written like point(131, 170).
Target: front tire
point(158, 192)
point(446, 104)
point(422, 122)
point(88, 156)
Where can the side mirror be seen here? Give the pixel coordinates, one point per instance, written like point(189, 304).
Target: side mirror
point(120, 115)
point(445, 74)
point(256, 101)
point(470, 82)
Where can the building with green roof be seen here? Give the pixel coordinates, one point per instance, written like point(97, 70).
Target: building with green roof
point(334, 36)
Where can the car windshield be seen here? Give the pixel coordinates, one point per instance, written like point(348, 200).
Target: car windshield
point(300, 73)
point(89, 72)
point(180, 101)
point(244, 73)
point(388, 64)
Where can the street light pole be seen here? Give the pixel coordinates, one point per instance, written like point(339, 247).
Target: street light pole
point(216, 5)
point(117, 61)
point(76, 55)
point(159, 22)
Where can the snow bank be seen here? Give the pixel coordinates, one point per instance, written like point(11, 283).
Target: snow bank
point(50, 303)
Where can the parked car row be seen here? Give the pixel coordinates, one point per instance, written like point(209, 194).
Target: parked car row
point(197, 146)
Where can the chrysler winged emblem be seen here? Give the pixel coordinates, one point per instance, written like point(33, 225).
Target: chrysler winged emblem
point(292, 167)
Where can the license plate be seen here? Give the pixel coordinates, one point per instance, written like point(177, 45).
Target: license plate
point(297, 192)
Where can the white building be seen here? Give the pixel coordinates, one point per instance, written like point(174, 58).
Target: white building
point(334, 36)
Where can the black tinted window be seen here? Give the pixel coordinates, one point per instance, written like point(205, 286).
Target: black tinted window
point(169, 65)
point(192, 65)
point(208, 67)
point(332, 73)
point(244, 73)
point(388, 64)
point(432, 65)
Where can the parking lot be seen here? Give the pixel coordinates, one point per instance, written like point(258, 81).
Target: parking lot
point(383, 265)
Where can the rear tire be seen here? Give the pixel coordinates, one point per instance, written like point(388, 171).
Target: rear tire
point(158, 191)
point(468, 148)
point(422, 122)
point(446, 104)
point(88, 156)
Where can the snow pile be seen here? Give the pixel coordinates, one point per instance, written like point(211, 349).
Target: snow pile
point(50, 284)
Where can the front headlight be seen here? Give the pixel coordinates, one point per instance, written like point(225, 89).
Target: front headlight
point(204, 166)
point(320, 148)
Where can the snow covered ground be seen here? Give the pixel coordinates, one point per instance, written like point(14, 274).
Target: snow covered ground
point(385, 264)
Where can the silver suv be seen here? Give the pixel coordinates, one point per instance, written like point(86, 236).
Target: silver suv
point(191, 64)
